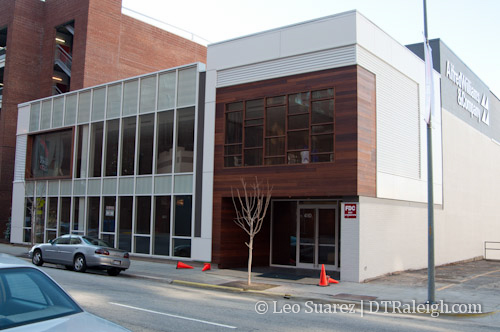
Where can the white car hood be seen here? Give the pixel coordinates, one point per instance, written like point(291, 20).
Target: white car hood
point(81, 322)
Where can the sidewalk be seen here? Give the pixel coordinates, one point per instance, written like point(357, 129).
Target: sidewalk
point(477, 283)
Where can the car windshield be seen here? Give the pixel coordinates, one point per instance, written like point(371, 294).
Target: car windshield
point(28, 296)
point(95, 242)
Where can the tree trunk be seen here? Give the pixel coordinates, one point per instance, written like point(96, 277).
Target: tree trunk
point(250, 251)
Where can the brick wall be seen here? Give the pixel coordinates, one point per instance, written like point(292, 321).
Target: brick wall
point(107, 46)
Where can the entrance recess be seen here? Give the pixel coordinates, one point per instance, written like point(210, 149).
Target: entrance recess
point(317, 236)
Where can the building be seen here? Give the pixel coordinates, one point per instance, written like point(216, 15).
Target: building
point(55, 46)
point(117, 161)
point(329, 111)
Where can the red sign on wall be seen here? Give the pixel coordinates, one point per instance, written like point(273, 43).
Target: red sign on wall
point(350, 210)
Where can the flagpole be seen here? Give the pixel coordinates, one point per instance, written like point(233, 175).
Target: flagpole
point(431, 291)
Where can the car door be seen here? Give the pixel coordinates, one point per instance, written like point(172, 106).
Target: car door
point(50, 252)
point(64, 251)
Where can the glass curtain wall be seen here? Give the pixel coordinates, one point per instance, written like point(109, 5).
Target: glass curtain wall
point(130, 169)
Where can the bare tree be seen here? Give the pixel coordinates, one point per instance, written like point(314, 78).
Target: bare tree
point(251, 209)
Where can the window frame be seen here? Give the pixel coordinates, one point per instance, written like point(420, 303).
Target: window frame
point(266, 160)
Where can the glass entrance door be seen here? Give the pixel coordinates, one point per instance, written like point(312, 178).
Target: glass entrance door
point(317, 235)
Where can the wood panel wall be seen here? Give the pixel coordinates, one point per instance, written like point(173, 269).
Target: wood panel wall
point(351, 174)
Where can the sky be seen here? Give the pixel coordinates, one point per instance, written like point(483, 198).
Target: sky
point(471, 28)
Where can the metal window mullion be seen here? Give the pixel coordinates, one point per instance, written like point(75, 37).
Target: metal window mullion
point(195, 155)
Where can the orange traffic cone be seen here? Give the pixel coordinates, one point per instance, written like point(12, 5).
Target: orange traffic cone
point(331, 280)
point(181, 265)
point(323, 281)
point(206, 267)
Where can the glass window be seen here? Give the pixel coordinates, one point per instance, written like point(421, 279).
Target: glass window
point(128, 146)
point(182, 215)
point(161, 242)
point(78, 215)
point(130, 97)
point(275, 121)
point(109, 218)
point(65, 215)
point(143, 212)
point(298, 103)
point(295, 128)
point(166, 91)
point(182, 247)
point(187, 87)
point(114, 101)
point(39, 219)
point(254, 109)
point(51, 154)
point(184, 151)
point(84, 107)
point(34, 116)
point(112, 133)
point(125, 223)
point(165, 141)
point(96, 138)
point(148, 94)
point(98, 103)
point(234, 132)
point(93, 216)
point(141, 244)
point(322, 111)
point(45, 114)
point(146, 136)
point(52, 213)
point(70, 110)
point(57, 112)
point(82, 154)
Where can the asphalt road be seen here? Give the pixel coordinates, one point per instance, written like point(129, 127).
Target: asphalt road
point(144, 305)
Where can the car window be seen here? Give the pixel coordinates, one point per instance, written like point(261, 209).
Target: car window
point(95, 242)
point(28, 296)
point(61, 240)
point(75, 240)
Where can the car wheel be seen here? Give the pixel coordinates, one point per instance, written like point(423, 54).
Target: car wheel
point(113, 272)
point(37, 258)
point(79, 264)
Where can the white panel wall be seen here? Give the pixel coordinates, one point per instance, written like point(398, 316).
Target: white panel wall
point(304, 63)
point(401, 131)
point(350, 246)
point(20, 161)
point(307, 37)
point(23, 119)
point(16, 225)
point(393, 234)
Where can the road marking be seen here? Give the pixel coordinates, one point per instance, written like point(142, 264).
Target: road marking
point(174, 316)
point(467, 279)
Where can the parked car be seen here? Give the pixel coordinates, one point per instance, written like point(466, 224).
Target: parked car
point(78, 253)
point(31, 301)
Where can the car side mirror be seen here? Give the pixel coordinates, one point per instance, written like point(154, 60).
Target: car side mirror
point(51, 241)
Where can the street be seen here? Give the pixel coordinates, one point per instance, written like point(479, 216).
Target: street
point(143, 305)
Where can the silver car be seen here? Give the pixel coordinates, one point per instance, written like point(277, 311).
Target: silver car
point(31, 301)
point(78, 253)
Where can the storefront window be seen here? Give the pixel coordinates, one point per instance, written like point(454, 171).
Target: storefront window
point(51, 154)
point(184, 151)
point(128, 146)
point(93, 217)
point(165, 141)
point(125, 223)
point(162, 226)
point(96, 149)
point(112, 133)
point(65, 215)
point(146, 137)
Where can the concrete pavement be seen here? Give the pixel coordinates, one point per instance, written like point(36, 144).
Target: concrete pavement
point(467, 283)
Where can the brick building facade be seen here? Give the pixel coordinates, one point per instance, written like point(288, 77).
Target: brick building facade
point(106, 46)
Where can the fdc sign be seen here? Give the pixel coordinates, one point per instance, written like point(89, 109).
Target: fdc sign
point(350, 210)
